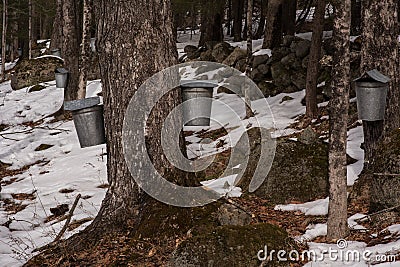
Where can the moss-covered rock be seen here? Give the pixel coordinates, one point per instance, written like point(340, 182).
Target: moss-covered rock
point(30, 72)
point(299, 173)
point(232, 246)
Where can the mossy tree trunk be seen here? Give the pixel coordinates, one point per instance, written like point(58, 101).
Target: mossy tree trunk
point(339, 106)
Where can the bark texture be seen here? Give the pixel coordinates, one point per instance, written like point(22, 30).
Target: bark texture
point(128, 31)
point(273, 27)
point(3, 41)
point(313, 63)
point(380, 51)
point(57, 34)
point(339, 106)
point(237, 10)
point(211, 21)
point(289, 17)
point(85, 48)
point(70, 47)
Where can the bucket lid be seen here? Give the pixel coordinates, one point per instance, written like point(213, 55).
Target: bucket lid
point(199, 83)
point(61, 70)
point(373, 75)
point(81, 103)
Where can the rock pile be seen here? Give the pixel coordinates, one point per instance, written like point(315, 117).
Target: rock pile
point(284, 71)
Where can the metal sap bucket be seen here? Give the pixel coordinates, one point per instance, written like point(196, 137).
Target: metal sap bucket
point(61, 75)
point(371, 90)
point(89, 120)
point(198, 93)
point(56, 52)
point(19, 51)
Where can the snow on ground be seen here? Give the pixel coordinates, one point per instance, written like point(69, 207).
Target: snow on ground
point(65, 170)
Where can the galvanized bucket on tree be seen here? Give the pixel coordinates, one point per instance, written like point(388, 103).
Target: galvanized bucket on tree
point(19, 51)
point(89, 121)
point(371, 90)
point(56, 52)
point(197, 112)
point(61, 75)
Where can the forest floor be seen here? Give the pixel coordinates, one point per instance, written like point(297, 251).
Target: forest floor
point(43, 167)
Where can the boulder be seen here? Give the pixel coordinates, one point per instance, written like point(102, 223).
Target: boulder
point(299, 173)
point(207, 56)
point(278, 53)
point(264, 69)
point(258, 60)
point(234, 57)
point(241, 65)
point(190, 49)
point(299, 79)
point(289, 60)
point(256, 75)
point(232, 246)
point(221, 51)
point(31, 72)
point(268, 88)
point(301, 48)
point(280, 75)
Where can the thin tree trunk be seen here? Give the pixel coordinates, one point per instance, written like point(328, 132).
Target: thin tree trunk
point(249, 112)
point(289, 17)
point(3, 42)
point(211, 22)
point(313, 63)
point(70, 48)
point(237, 6)
point(273, 26)
point(339, 106)
point(380, 51)
point(85, 45)
point(30, 30)
point(14, 36)
point(356, 17)
point(57, 34)
point(261, 25)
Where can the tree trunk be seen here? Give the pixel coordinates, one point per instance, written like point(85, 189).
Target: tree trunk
point(85, 48)
point(3, 42)
point(261, 25)
point(313, 62)
point(339, 106)
point(70, 48)
point(380, 51)
point(30, 39)
point(273, 27)
point(211, 22)
point(356, 17)
point(14, 36)
point(289, 17)
point(249, 17)
point(57, 39)
point(124, 36)
point(237, 6)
